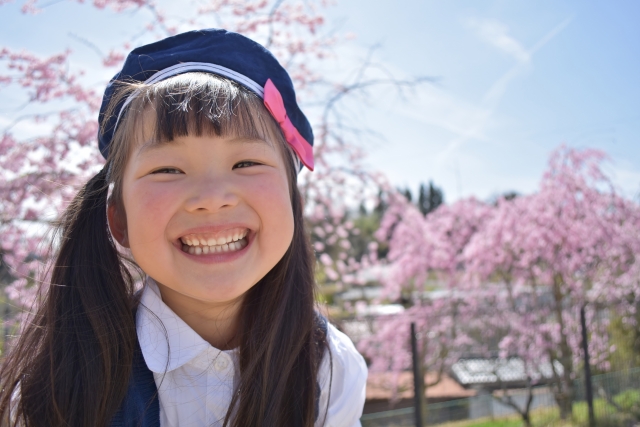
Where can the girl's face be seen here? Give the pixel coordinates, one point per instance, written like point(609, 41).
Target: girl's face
point(206, 216)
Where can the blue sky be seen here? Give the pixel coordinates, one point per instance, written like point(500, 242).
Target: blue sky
point(512, 80)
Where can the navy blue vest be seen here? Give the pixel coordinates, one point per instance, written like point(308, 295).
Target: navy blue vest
point(141, 407)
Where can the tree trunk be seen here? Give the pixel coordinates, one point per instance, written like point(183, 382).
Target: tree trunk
point(565, 403)
point(565, 393)
point(506, 399)
point(419, 383)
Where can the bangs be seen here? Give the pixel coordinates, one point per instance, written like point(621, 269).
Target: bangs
point(196, 104)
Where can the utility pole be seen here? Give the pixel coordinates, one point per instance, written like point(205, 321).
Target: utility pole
point(587, 367)
point(417, 378)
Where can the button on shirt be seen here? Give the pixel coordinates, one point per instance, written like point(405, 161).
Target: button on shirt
point(195, 380)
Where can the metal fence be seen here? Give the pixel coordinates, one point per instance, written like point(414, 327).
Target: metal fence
point(616, 398)
point(616, 404)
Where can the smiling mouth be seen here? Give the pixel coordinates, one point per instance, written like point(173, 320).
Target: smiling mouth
point(211, 243)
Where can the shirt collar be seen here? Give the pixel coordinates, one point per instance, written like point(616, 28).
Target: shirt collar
point(167, 342)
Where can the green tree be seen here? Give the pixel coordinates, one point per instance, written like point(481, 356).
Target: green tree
point(429, 198)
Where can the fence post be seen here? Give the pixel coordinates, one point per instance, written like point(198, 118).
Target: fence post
point(417, 378)
point(587, 367)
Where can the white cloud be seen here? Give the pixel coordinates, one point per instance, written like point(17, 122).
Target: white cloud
point(428, 103)
point(497, 34)
point(435, 106)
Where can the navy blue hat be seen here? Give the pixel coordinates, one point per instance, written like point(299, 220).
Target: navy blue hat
point(223, 53)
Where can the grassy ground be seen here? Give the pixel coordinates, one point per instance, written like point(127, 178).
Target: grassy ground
point(606, 416)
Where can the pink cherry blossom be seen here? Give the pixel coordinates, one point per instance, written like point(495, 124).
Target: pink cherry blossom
point(511, 277)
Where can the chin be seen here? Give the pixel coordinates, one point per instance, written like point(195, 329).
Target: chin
point(215, 293)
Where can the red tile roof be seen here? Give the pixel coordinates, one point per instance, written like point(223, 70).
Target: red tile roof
point(381, 385)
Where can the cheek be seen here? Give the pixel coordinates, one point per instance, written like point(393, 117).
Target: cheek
point(284, 224)
point(148, 211)
point(276, 215)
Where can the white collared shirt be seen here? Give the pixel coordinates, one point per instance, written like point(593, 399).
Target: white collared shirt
point(195, 380)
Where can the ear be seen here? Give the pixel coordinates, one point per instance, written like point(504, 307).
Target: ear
point(118, 225)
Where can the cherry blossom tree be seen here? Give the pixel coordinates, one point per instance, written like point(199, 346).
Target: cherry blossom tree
point(520, 271)
point(573, 243)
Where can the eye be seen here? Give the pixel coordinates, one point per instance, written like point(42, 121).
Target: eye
point(245, 164)
point(167, 170)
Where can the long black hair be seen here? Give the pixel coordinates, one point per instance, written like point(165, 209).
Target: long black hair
point(72, 363)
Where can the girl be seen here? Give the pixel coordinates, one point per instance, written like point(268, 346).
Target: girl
point(203, 140)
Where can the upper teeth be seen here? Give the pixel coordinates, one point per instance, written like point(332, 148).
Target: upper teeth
point(217, 239)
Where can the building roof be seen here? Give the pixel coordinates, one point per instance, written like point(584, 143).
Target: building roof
point(487, 370)
point(381, 385)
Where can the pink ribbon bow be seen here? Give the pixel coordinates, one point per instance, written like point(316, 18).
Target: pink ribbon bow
point(274, 103)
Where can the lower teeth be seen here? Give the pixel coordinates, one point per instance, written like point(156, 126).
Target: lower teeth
point(204, 250)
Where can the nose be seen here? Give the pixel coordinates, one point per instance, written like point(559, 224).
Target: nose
point(211, 194)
